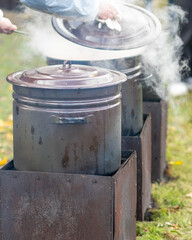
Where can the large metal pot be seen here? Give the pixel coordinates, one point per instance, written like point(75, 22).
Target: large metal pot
point(67, 119)
point(132, 103)
point(118, 49)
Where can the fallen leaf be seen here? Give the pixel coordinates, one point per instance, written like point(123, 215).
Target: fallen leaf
point(173, 209)
point(168, 235)
point(176, 163)
point(4, 161)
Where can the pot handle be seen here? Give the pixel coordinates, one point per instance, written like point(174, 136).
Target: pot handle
point(70, 120)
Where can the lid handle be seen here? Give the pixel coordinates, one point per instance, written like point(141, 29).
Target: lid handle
point(67, 65)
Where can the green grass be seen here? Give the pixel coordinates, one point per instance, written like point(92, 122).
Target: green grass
point(14, 56)
point(172, 215)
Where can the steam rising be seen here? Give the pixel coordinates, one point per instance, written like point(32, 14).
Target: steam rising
point(47, 41)
point(162, 58)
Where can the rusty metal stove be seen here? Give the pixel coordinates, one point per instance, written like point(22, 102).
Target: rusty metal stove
point(36, 205)
point(157, 107)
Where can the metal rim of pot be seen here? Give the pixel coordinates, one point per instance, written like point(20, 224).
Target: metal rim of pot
point(72, 77)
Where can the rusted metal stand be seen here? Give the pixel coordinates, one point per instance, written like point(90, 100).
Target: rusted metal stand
point(158, 111)
point(142, 145)
point(61, 206)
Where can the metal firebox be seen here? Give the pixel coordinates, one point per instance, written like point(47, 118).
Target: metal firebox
point(158, 111)
point(142, 145)
point(68, 206)
point(154, 105)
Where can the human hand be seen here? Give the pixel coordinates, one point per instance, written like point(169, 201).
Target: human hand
point(6, 26)
point(107, 10)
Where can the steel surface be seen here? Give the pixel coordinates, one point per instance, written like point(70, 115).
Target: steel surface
point(126, 201)
point(64, 206)
point(63, 128)
point(142, 145)
point(132, 103)
point(158, 111)
point(55, 206)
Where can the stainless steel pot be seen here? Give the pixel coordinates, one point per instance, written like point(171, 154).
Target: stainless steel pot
point(132, 103)
point(67, 119)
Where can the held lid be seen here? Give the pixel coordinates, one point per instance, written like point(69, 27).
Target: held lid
point(66, 76)
point(139, 28)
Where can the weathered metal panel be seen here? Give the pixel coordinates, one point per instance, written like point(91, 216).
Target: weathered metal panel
point(55, 206)
point(158, 111)
point(68, 206)
point(142, 145)
point(164, 117)
point(92, 148)
point(146, 167)
point(126, 201)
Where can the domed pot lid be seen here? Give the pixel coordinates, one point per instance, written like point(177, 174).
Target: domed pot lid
point(139, 28)
point(66, 76)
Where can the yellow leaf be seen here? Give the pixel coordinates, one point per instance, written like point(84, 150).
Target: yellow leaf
point(176, 163)
point(4, 161)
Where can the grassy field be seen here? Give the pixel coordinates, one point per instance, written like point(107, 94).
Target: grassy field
point(14, 56)
point(172, 216)
point(11, 60)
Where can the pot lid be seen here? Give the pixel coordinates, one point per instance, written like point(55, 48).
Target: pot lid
point(139, 28)
point(66, 76)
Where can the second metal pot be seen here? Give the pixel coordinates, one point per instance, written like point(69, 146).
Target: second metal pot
point(132, 105)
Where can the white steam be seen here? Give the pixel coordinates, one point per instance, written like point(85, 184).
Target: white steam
point(163, 58)
point(48, 42)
